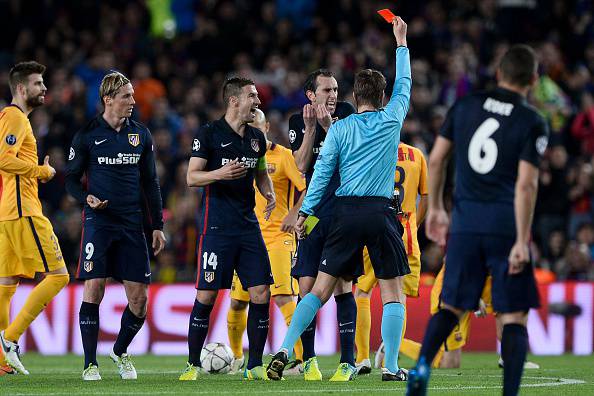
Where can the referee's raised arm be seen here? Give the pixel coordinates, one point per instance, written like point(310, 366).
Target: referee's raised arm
point(398, 105)
point(364, 148)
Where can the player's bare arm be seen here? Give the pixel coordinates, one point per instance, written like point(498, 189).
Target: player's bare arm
point(304, 155)
point(288, 224)
point(437, 218)
point(422, 208)
point(198, 177)
point(524, 201)
point(265, 187)
point(399, 28)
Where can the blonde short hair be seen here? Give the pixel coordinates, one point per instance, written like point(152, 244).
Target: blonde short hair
point(111, 84)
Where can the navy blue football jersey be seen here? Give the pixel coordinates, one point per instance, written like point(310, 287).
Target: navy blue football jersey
point(119, 167)
point(296, 133)
point(228, 205)
point(492, 132)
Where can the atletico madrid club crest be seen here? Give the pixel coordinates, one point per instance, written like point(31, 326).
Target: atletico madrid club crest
point(134, 139)
point(88, 266)
point(209, 276)
point(256, 145)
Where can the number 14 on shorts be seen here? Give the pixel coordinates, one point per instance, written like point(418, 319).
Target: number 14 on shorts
point(209, 259)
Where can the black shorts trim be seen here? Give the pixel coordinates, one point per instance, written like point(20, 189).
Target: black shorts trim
point(17, 183)
point(38, 243)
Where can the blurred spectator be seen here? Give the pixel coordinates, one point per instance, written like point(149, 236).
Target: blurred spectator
point(553, 200)
point(580, 196)
point(577, 263)
point(582, 127)
point(146, 90)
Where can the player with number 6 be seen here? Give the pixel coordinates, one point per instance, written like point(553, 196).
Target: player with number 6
point(497, 141)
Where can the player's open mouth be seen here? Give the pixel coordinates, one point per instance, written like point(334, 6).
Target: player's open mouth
point(253, 111)
point(331, 105)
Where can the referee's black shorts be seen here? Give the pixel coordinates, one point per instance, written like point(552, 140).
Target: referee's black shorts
point(359, 222)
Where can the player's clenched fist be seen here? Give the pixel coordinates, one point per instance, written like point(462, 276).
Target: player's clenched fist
point(519, 256)
point(399, 28)
point(231, 170)
point(51, 169)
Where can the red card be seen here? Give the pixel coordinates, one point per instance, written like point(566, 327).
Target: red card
point(387, 15)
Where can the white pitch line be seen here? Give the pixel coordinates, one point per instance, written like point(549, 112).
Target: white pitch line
point(555, 382)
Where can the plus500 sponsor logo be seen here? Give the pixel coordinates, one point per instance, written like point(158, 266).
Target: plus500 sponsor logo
point(246, 161)
point(121, 159)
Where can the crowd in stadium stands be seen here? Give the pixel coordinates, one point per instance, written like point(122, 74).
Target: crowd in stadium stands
point(178, 53)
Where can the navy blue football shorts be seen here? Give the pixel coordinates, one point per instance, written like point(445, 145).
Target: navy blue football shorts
point(113, 252)
point(360, 222)
point(470, 258)
point(220, 255)
point(309, 250)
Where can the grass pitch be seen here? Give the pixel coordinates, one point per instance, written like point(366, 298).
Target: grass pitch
point(157, 375)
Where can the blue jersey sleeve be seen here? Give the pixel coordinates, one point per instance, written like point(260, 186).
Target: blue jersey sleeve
point(535, 143)
point(398, 105)
point(150, 183)
point(200, 144)
point(295, 131)
point(76, 167)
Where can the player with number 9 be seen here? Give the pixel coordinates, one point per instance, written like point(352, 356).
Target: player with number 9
point(115, 154)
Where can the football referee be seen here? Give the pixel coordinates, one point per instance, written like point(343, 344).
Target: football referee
point(364, 148)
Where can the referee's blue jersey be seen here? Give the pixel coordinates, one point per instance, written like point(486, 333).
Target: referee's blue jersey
point(364, 146)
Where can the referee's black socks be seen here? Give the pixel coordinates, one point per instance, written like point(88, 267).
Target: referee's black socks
point(514, 346)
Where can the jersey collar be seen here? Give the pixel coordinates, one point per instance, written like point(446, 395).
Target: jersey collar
point(227, 128)
point(17, 106)
point(513, 96)
point(104, 123)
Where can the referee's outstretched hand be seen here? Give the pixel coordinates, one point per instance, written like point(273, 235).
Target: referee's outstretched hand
point(399, 28)
point(231, 170)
